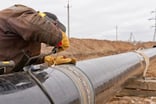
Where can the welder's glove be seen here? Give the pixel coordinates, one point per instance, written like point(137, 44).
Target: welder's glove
point(50, 60)
point(64, 60)
point(64, 44)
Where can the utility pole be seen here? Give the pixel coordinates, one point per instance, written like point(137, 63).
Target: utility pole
point(131, 37)
point(154, 24)
point(68, 18)
point(116, 28)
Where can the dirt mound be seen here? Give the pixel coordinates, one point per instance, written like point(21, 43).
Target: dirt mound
point(91, 48)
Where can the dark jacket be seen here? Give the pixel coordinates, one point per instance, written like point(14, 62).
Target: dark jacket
point(23, 29)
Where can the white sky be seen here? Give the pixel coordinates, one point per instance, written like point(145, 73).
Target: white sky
point(98, 18)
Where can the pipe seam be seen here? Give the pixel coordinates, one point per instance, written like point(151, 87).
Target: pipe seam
point(82, 83)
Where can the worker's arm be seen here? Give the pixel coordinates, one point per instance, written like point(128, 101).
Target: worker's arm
point(28, 24)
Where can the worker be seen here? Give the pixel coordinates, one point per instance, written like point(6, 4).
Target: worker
point(23, 29)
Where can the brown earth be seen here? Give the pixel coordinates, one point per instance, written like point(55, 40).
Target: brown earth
point(91, 48)
point(83, 49)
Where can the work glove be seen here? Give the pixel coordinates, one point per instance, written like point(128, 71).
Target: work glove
point(51, 60)
point(64, 44)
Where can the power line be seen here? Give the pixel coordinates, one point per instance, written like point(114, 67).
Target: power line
point(154, 36)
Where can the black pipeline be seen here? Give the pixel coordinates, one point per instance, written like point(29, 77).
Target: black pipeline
point(90, 81)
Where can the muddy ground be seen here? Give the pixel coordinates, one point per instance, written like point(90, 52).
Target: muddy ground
point(83, 49)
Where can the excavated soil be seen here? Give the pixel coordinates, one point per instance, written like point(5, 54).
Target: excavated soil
point(83, 49)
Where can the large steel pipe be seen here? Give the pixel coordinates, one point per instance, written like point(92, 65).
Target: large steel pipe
point(88, 82)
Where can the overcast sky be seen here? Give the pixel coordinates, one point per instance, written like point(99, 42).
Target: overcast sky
point(99, 18)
